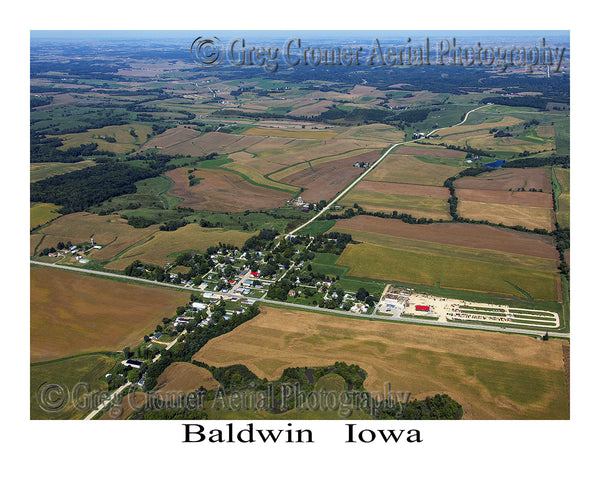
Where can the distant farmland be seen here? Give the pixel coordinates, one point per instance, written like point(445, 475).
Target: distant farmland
point(492, 375)
point(73, 313)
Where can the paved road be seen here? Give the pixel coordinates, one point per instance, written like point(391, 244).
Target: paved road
point(318, 309)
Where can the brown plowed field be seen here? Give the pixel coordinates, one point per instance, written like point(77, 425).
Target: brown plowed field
point(509, 178)
point(492, 375)
point(525, 199)
point(327, 179)
point(73, 313)
point(461, 234)
point(222, 191)
point(402, 189)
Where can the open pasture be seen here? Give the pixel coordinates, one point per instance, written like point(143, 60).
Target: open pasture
point(73, 313)
point(41, 213)
point(42, 170)
point(492, 375)
point(123, 142)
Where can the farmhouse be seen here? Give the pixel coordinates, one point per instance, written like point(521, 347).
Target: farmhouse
point(132, 363)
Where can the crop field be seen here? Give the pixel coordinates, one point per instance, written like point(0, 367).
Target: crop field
point(42, 213)
point(483, 237)
point(524, 199)
point(372, 261)
point(507, 214)
point(42, 170)
point(124, 141)
point(454, 251)
point(73, 313)
point(492, 375)
point(409, 169)
point(563, 214)
point(486, 126)
point(509, 179)
point(186, 378)
point(428, 150)
point(323, 181)
point(418, 206)
point(89, 369)
point(215, 190)
point(110, 231)
point(417, 200)
point(161, 247)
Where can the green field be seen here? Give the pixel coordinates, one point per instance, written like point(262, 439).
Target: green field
point(42, 213)
point(373, 261)
point(561, 185)
point(89, 369)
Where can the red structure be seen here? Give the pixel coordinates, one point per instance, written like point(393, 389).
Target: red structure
point(422, 308)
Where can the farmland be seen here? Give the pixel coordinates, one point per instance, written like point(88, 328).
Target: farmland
point(500, 377)
point(200, 175)
point(161, 247)
point(372, 261)
point(110, 231)
point(74, 314)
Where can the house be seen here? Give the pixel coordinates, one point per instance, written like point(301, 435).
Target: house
point(292, 293)
point(198, 305)
point(132, 363)
point(156, 335)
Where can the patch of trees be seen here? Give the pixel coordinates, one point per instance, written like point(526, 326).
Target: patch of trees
point(534, 162)
point(438, 407)
point(533, 101)
point(194, 341)
point(77, 191)
point(172, 225)
point(260, 241)
point(46, 150)
point(138, 222)
point(330, 242)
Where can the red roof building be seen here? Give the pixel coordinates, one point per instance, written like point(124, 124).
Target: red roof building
point(422, 308)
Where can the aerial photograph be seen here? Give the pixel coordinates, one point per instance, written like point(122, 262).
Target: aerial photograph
point(264, 225)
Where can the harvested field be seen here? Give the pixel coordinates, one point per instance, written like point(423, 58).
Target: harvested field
point(402, 189)
point(162, 246)
point(130, 403)
point(492, 375)
point(545, 131)
point(222, 191)
point(327, 179)
point(371, 261)
point(512, 215)
point(185, 377)
point(272, 132)
point(73, 313)
point(408, 169)
point(417, 206)
point(524, 199)
point(110, 231)
point(429, 151)
point(374, 131)
point(460, 234)
point(509, 179)
point(217, 142)
point(171, 137)
point(311, 110)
